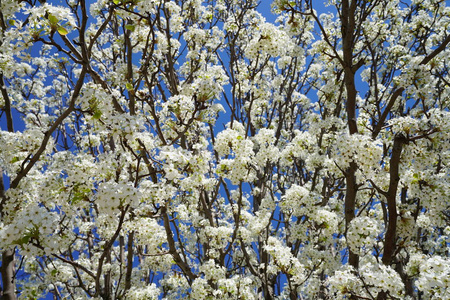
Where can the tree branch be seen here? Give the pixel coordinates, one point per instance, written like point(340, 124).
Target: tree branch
point(50, 131)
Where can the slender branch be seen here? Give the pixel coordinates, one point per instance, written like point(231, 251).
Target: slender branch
point(438, 50)
point(397, 93)
point(390, 238)
point(130, 255)
point(129, 76)
point(173, 250)
point(106, 249)
point(99, 31)
point(7, 107)
point(75, 265)
point(49, 132)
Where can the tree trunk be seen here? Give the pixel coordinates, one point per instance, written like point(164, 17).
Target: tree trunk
point(7, 271)
point(348, 32)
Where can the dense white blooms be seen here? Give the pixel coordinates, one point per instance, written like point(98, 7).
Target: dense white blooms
point(285, 261)
point(31, 225)
point(360, 149)
point(269, 40)
point(382, 278)
point(362, 233)
point(344, 282)
point(195, 149)
point(239, 166)
point(297, 199)
point(150, 292)
point(433, 279)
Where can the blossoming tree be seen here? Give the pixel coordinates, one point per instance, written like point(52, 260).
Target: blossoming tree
point(190, 149)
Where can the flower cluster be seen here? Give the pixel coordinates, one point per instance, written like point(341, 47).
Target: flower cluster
point(233, 141)
point(267, 151)
point(112, 196)
point(297, 199)
point(284, 260)
point(269, 40)
point(362, 234)
point(434, 276)
point(149, 292)
point(32, 229)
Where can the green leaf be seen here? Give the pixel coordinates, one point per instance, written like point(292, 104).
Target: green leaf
point(130, 27)
point(62, 30)
point(15, 159)
point(116, 1)
point(79, 193)
point(24, 240)
point(129, 86)
point(53, 20)
point(11, 22)
point(97, 115)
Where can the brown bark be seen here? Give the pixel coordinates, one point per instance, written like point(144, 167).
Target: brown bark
point(130, 255)
point(7, 268)
point(7, 271)
point(350, 203)
point(7, 292)
point(348, 32)
point(129, 76)
point(7, 107)
point(391, 195)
